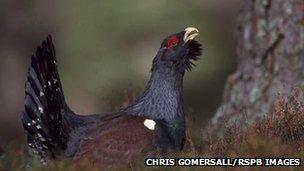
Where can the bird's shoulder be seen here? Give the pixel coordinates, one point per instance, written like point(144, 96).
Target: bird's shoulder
point(115, 138)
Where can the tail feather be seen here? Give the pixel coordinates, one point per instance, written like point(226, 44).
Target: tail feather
point(45, 106)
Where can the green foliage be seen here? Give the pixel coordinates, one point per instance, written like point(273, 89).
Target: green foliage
point(117, 40)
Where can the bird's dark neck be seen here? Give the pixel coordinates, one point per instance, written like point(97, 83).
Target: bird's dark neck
point(162, 97)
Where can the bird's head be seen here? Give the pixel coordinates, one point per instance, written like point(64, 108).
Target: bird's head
point(178, 51)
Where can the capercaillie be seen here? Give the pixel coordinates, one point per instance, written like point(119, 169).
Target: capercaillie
point(153, 122)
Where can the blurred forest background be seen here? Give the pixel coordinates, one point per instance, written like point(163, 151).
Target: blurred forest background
point(105, 50)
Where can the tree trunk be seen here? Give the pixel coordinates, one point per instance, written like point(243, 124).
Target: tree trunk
point(270, 53)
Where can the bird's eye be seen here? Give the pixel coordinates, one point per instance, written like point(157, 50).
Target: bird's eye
point(172, 41)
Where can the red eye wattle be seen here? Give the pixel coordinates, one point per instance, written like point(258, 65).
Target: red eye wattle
point(172, 41)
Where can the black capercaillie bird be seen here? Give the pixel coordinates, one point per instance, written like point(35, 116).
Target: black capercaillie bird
point(153, 122)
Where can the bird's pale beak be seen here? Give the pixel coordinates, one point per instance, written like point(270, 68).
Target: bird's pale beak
point(190, 34)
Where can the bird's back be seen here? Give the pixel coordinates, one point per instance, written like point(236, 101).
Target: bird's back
point(113, 138)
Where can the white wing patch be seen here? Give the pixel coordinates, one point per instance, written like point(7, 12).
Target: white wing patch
point(150, 124)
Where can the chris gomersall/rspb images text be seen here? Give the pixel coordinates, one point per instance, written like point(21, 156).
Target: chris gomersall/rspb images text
point(233, 162)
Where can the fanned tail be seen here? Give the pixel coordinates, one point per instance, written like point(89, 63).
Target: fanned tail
point(45, 107)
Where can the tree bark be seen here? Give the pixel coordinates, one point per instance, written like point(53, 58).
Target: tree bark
point(270, 51)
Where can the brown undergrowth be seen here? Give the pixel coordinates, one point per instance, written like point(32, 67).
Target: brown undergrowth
point(278, 134)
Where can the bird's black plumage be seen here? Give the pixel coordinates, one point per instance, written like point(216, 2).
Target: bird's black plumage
point(120, 135)
point(44, 103)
